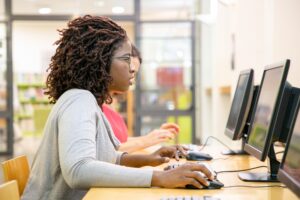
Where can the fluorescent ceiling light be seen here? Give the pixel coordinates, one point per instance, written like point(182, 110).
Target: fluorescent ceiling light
point(99, 3)
point(117, 10)
point(45, 11)
point(228, 2)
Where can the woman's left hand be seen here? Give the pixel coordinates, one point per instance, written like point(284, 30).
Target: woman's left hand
point(159, 157)
point(164, 154)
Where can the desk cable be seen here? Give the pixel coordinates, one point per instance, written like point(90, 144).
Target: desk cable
point(251, 186)
point(240, 170)
point(212, 137)
point(248, 186)
point(222, 158)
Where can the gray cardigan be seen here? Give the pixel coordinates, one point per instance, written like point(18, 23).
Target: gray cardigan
point(78, 151)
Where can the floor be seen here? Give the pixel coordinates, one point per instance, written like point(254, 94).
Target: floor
point(23, 146)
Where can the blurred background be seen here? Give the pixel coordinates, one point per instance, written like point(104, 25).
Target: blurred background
point(192, 50)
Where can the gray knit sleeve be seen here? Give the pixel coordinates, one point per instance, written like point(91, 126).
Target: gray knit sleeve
point(77, 152)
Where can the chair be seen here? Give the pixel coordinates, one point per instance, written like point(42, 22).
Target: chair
point(16, 169)
point(9, 191)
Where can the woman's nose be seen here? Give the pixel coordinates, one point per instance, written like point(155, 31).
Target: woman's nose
point(131, 68)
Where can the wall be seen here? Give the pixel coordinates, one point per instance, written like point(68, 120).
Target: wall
point(287, 36)
point(265, 32)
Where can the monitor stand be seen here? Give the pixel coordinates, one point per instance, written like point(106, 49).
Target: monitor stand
point(238, 151)
point(267, 176)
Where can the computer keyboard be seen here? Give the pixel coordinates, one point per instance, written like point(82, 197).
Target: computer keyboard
point(190, 198)
point(172, 166)
point(192, 147)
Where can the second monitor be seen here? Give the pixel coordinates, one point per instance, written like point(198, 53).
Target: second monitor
point(241, 109)
point(270, 120)
point(289, 171)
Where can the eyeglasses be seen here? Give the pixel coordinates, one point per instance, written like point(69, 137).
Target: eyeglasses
point(126, 59)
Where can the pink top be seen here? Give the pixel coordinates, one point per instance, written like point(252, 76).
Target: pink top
point(117, 123)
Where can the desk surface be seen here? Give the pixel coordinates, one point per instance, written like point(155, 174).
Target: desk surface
point(220, 162)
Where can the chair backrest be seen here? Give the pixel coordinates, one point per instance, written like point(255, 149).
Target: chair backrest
point(9, 191)
point(16, 169)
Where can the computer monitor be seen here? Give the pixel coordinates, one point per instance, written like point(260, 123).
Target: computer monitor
point(240, 105)
point(239, 110)
point(268, 113)
point(289, 171)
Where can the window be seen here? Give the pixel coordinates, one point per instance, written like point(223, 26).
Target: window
point(167, 9)
point(3, 135)
point(2, 11)
point(2, 67)
point(149, 123)
point(167, 63)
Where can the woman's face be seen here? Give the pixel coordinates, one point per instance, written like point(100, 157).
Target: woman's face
point(121, 69)
point(135, 63)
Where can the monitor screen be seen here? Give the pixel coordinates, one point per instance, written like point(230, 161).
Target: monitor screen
point(240, 105)
point(289, 172)
point(266, 110)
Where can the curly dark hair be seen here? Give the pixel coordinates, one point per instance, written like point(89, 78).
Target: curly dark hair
point(83, 57)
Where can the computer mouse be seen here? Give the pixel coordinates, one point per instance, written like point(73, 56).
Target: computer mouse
point(213, 184)
point(197, 156)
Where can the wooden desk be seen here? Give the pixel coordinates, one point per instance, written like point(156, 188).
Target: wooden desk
point(229, 179)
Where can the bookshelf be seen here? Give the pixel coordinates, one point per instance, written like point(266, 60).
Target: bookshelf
point(33, 106)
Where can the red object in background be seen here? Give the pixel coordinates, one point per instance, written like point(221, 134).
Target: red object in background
point(117, 123)
point(169, 76)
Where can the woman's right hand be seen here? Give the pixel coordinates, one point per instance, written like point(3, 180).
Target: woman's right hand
point(158, 136)
point(187, 174)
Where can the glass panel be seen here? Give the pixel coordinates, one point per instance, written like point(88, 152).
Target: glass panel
point(166, 68)
point(77, 7)
point(31, 58)
point(129, 27)
point(2, 67)
point(150, 123)
point(167, 9)
point(169, 99)
point(32, 50)
point(3, 135)
point(2, 14)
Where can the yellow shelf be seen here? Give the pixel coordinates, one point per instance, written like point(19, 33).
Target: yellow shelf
point(28, 85)
point(24, 116)
point(226, 90)
point(34, 101)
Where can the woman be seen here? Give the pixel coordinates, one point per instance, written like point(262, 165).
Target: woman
point(78, 150)
point(165, 133)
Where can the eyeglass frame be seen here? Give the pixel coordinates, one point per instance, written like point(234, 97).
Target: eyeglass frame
point(124, 58)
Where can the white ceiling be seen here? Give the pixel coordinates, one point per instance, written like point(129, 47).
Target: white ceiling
point(71, 6)
point(150, 9)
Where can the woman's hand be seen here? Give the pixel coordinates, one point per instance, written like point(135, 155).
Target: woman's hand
point(187, 174)
point(158, 136)
point(165, 133)
point(164, 154)
point(172, 127)
point(159, 157)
